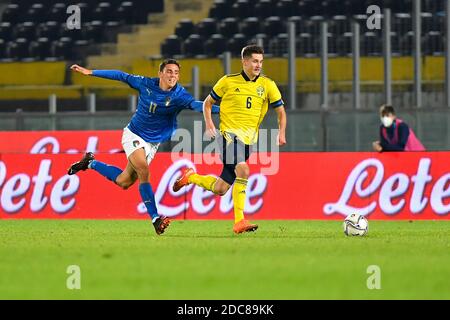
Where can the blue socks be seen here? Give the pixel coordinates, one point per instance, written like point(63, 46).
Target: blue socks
point(110, 172)
point(145, 189)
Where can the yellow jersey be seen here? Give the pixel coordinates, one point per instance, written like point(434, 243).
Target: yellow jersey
point(244, 104)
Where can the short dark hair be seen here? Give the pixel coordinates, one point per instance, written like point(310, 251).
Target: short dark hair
point(386, 109)
point(251, 49)
point(166, 62)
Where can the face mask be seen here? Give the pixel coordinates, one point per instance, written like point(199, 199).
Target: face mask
point(387, 121)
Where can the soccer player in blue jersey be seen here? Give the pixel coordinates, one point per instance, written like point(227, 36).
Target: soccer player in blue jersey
point(160, 101)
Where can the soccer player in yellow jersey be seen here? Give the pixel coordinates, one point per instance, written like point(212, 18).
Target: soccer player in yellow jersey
point(245, 98)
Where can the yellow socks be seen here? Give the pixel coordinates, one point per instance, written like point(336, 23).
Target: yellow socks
point(206, 182)
point(239, 198)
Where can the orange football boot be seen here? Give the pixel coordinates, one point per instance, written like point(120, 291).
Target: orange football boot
point(183, 180)
point(244, 226)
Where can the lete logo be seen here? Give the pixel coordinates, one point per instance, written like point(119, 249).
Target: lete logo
point(393, 187)
point(203, 201)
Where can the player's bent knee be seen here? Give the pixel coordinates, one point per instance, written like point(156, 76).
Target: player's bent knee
point(242, 171)
point(221, 190)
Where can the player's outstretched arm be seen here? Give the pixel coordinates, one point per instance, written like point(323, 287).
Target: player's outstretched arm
point(80, 69)
point(132, 80)
point(207, 108)
point(282, 120)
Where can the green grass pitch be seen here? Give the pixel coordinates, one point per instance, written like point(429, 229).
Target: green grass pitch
point(204, 260)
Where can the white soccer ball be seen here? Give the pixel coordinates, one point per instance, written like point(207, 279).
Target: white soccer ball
point(355, 225)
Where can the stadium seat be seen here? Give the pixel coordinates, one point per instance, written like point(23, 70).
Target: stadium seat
point(306, 46)
point(80, 48)
point(264, 8)
point(339, 25)
point(61, 49)
point(103, 11)
point(286, 8)
point(171, 46)
point(18, 49)
point(49, 30)
point(193, 45)
point(207, 27)
point(36, 13)
point(265, 41)
point(433, 43)
point(250, 26)
point(221, 9)
point(87, 10)
point(428, 22)
point(93, 31)
point(344, 44)
point(273, 26)
point(185, 28)
point(124, 14)
point(229, 27)
point(111, 31)
point(402, 23)
point(74, 34)
point(25, 30)
point(371, 44)
point(11, 13)
point(58, 13)
point(2, 49)
point(40, 48)
point(6, 31)
point(242, 9)
point(215, 46)
point(279, 45)
point(406, 44)
point(236, 44)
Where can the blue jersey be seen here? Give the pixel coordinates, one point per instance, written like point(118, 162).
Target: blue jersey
point(155, 119)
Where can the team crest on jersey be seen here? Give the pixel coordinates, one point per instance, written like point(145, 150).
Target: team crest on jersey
point(168, 99)
point(260, 91)
point(135, 143)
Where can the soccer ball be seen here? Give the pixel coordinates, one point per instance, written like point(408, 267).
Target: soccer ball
point(355, 225)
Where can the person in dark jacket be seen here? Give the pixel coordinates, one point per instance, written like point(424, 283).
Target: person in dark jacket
point(395, 134)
